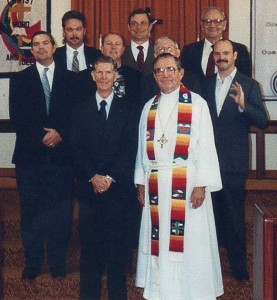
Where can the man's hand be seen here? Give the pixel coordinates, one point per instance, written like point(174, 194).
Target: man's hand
point(100, 183)
point(141, 194)
point(238, 96)
point(52, 138)
point(197, 196)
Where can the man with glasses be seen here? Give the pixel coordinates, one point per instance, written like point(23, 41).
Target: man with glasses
point(140, 54)
point(176, 171)
point(197, 57)
point(149, 87)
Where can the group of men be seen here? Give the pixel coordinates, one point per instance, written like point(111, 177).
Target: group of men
point(186, 159)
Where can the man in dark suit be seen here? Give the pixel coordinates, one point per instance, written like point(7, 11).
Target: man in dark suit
point(197, 57)
point(235, 103)
point(75, 56)
point(104, 143)
point(39, 103)
point(149, 87)
point(139, 55)
point(128, 81)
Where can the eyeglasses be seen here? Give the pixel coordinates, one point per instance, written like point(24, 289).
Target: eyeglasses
point(166, 49)
point(168, 70)
point(141, 24)
point(208, 22)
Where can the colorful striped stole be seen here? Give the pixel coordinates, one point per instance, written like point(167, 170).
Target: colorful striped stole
point(179, 174)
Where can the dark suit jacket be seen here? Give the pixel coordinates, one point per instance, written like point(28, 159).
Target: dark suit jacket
point(231, 127)
point(29, 116)
point(149, 87)
point(129, 60)
point(111, 151)
point(192, 57)
point(91, 54)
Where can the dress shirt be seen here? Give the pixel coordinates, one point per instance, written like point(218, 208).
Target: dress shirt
point(205, 56)
point(222, 89)
point(135, 50)
point(81, 57)
point(49, 74)
point(109, 100)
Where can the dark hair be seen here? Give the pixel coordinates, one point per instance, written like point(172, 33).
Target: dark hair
point(113, 33)
point(106, 60)
point(139, 11)
point(73, 14)
point(166, 55)
point(227, 40)
point(45, 33)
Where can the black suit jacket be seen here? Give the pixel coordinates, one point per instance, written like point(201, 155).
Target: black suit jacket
point(91, 54)
point(29, 116)
point(129, 60)
point(192, 57)
point(149, 87)
point(231, 127)
point(110, 151)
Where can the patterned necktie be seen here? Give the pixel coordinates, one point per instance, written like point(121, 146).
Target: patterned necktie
point(102, 111)
point(46, 88)
point(140, 58)
point(75, 62)
point(210, 65)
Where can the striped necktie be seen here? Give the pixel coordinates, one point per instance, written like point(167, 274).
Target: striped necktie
point(46, 88)
point(75, 62)
point(140, 58)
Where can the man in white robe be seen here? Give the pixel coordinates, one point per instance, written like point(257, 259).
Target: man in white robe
point(194, 273)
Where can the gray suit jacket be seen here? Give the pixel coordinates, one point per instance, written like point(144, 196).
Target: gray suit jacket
point(231, 127)
point(129, 60)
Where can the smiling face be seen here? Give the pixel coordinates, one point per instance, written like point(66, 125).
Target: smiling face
point(43, 49)
point(74, 33)
point(213, 24)
point(113, 47)
point(104, 77)
point(224, 56)
point(167, 74)
point(140, 28)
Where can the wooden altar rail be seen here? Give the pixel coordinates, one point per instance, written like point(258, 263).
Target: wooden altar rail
point(259, 179)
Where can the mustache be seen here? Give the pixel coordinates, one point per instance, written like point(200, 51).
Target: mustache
point(222, 60)
point(74, 38)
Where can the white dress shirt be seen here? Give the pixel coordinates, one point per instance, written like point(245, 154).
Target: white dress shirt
point(205, 56)
point(109, 100)
point(49, 73)
point(81, 57)
point(135, 50)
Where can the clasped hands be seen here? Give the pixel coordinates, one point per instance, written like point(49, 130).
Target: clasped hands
point(52, 138)
point(100, 183)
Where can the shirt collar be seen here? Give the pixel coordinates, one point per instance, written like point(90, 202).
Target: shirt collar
point(230, 76)
point(109, 99)
point(145, 45)
point(40, 67)
point(71, 50)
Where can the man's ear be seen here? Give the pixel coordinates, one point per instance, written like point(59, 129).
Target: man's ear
point(93, 75)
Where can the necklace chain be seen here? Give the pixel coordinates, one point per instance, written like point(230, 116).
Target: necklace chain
point(162, 140)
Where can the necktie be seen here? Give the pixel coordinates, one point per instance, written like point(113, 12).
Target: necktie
point(46, 88)
point(102, 111)
point(210, 65)
point(140, 58)
point(75, 62)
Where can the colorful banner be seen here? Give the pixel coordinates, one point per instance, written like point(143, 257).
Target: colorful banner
point(264, 45)
point(19, 20)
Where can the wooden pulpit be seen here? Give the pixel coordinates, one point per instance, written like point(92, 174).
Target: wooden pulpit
point(265, 251)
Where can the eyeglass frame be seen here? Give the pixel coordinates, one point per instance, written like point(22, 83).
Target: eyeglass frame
point(169, 71)
point(208, 22)
point(166, 49)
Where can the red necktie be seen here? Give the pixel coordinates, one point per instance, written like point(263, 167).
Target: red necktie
point(140, 58)
point(210, 65)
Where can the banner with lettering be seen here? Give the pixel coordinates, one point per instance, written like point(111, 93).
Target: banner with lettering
point(19, 20)
point(264, 45)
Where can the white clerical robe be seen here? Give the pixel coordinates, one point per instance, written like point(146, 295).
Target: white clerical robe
point(195, 273)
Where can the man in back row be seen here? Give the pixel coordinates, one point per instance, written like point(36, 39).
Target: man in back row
point(198, 58)
point(140, 54)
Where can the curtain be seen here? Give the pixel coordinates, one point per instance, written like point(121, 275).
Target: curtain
point(181, 18)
